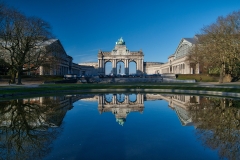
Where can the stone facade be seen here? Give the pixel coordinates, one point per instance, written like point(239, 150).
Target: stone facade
point(57, 62)
point(120, 54)
point(152, 67)
point(178, 62)
point(90, 68)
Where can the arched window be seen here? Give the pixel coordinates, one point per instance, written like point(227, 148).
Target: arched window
point(182, 51)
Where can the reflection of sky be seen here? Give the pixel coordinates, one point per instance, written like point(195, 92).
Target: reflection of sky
point(108, 97)
point(132, 97)
point(155, 134)
point(120, 97)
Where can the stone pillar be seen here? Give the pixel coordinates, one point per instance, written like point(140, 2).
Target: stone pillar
point(127, 99)
point(126, 64)
point(103, 65)
point(41, 70)
point(114, 99)
point(137, 64)
point(139, 98)
point(127, 67)
point(99, 66)
point(114, 66)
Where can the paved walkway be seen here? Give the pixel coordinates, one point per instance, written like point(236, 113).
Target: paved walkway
point(210, 84)
point(25, 84)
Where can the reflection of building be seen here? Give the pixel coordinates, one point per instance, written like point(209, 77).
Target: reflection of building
point(42, 112)
point(120, 106)
point(180, 104)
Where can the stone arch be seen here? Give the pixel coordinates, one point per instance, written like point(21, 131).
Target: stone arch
point(133, 98)
point(121, 98)
point(108, 98)
point(120, 67)
point(157, 72)
point(132, 67)
point(108, 67)
point(120, 52)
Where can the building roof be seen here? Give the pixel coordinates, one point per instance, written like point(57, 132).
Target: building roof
point(192, 40)
point(172, 55)
point(49, 41)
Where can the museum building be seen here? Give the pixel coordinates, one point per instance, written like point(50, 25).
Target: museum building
point(178, 62)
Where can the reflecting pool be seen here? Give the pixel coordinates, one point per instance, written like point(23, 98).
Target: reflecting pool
point(120, 126)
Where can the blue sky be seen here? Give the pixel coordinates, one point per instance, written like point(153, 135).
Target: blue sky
point(155, 26)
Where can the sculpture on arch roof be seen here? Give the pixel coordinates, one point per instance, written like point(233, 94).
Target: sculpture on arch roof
point(120, 41)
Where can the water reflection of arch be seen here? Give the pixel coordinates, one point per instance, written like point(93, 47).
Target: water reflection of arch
point(120, 98)
point(108, 98)
point(120, 109)
point(132, 98)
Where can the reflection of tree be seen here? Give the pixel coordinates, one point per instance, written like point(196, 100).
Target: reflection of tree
point(218, 125)
point(26, 130)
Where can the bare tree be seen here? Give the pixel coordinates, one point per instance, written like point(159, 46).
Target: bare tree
point(22, 40)
point(218, 46)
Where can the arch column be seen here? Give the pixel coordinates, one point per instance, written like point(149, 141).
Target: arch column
point(103, 66)
point(138, 66)
point(127, 99)
point(114, 99)
point(126, 65)
point(114, 66)
point(100, 66)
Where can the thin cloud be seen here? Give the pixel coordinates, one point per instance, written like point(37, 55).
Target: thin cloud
point(89, 58)
point(80, 55)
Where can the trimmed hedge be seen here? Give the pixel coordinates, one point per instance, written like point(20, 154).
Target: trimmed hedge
point(198, 77)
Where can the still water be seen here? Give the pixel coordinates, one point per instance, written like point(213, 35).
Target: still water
point(120, 126)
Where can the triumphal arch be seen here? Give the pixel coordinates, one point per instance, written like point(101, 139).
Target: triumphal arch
point(120, 54)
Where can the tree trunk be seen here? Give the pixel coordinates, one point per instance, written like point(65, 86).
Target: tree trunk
point(13, 78)
point(19, 77)
point(221, 73)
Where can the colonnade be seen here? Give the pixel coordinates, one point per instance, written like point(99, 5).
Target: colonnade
point(54, 70)
point(102, 62)
point(139, 100)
